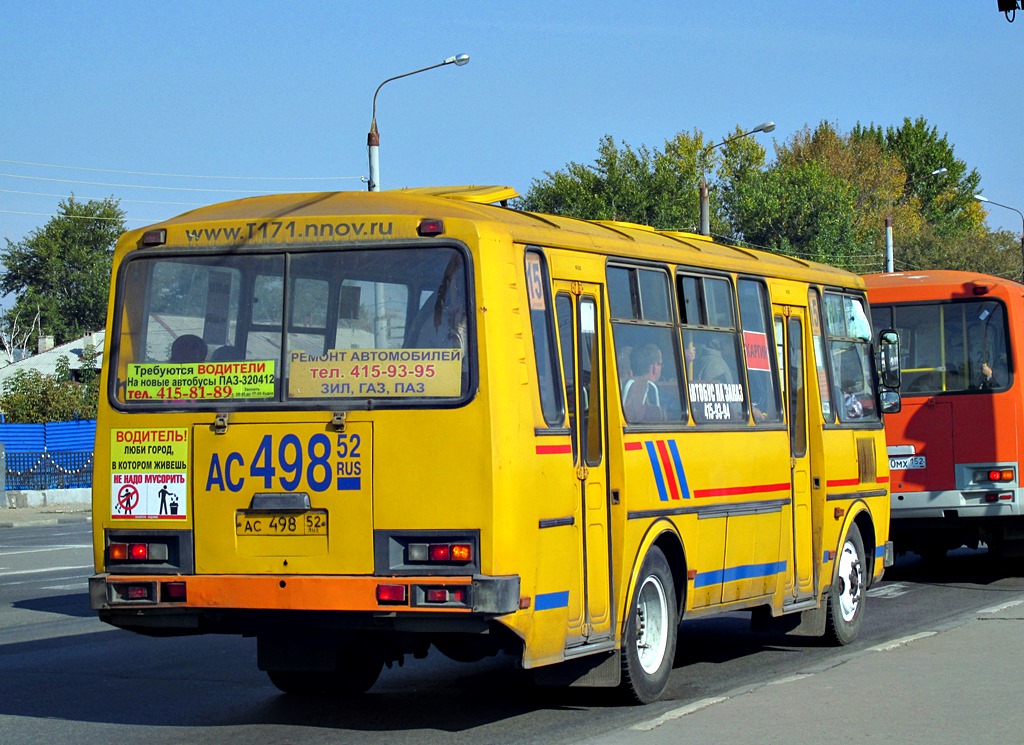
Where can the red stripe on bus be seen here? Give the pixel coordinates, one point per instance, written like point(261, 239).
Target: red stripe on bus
point(842, 482)
point(882, 480)
point(670, 473)
point(634, 446)
point(734, 490)
point(553, 449)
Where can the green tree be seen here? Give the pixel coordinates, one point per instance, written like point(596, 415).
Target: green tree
point(945, 200)
point(30, 397)
point(63, 269)
point(649, 187)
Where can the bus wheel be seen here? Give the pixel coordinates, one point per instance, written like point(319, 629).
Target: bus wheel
point(649, 646)
point(846, 600)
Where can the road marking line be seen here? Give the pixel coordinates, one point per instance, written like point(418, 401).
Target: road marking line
point(1003, 606)
point(790, 679)
point(47, 569)
point(676, 713)
point(66, 547)
point(900, 642)
point(894, 590)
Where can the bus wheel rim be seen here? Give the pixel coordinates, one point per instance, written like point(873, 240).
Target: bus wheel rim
point(851, 578)
point(651, 625)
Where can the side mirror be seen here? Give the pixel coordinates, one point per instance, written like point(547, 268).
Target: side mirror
point(891, 401)
point(889, 358)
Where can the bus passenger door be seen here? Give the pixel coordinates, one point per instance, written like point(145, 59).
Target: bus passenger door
point(800, 581)
point(581, 343)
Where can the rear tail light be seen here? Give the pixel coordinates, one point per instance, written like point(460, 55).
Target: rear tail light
point(440, 553)
point(445, 595)
point(997, 475)
point(174, 592)
point(392, 594)
point(135, 552)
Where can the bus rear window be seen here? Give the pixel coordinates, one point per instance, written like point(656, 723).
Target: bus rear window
point(329, 326)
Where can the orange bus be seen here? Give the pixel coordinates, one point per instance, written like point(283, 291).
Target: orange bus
point(955, 448)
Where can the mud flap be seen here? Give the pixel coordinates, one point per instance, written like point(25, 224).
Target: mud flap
point(602, 670)
point(804, 623)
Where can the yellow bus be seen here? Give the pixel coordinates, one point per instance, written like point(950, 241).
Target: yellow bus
point(358, 425)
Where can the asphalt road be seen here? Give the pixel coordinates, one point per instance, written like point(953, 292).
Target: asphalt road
point(65, 677)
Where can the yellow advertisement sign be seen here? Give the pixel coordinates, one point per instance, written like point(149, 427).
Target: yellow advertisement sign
point(359, 373)
point(149, 474)
point(197, 381)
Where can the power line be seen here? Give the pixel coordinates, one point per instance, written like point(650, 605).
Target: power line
point(133, 186)
point(181, 175)
point(83, 217)
point(130, 201)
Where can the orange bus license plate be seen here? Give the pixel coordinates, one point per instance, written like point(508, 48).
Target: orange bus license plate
point(311, 522)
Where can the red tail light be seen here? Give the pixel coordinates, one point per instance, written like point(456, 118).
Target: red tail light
point(393, 594)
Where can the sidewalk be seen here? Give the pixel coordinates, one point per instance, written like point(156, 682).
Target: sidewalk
point(954, 684)
point(53, 514)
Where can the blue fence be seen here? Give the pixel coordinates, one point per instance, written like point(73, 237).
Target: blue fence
point(55, 455)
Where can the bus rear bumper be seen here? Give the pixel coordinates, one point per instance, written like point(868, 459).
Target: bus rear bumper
point(138, 596)
point(954, 504)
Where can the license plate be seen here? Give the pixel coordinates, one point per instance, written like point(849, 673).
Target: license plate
point(310, 522)
point(907, 463)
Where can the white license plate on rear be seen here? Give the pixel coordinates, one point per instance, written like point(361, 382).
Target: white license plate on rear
point(907, 463)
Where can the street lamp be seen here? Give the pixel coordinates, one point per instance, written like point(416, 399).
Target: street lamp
point(1006, 207)
point(705, 208)
point(889, 262)
point(373, 138)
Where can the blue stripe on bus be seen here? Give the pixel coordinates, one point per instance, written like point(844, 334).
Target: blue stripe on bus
point(549, 600)
point(659, 479)
point(750, 571)
point(879, 552)
point(679, 469)
point(349, 483)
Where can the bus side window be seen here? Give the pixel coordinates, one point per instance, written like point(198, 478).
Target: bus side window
point(647, 358)
point(542, 324)
point(757, 343)
point(711, 343)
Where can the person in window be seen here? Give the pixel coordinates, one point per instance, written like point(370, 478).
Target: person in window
point(641, 400)
point(711, 366)
point(188, 348)
point(988, 379)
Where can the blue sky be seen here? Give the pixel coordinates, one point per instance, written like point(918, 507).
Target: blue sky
point(275, 91)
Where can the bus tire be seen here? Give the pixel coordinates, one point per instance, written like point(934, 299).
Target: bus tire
point(649, 643)
point(845, 606)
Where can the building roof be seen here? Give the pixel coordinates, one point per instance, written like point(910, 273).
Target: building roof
point(46, 362)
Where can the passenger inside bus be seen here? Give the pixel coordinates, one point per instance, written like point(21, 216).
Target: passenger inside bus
point(641, 400)
point(188, 348)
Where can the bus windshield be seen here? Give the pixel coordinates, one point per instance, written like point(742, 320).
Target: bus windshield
point(254, 328)
point(950, 347)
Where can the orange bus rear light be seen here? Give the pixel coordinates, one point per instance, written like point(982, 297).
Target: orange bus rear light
point(392, 594)
point(117, 551)
point(462, 552)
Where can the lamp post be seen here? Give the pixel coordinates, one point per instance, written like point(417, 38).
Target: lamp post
point(705, 207)
point(889, 261)
point(986, 200)
point(373, 138)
